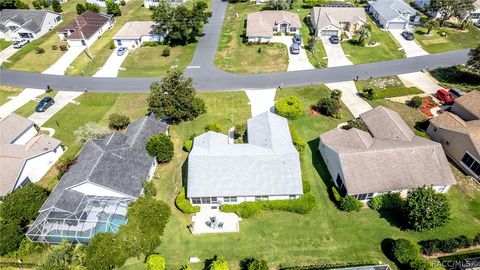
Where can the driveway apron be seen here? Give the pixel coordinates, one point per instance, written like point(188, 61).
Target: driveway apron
point(295, 61)
point(410, 47)
point(336, 56)
point(6, 53)
point(64, 61)
point(114, 62)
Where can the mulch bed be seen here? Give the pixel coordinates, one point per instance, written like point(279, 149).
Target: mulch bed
point(427, 104)
point(314, 112)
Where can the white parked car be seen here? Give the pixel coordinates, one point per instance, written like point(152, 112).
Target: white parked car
point(20, 43)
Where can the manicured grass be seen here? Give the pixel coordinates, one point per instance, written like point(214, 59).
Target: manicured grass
point(148, 61)
point(457, 77)
point(455, 40)
point(29, 107)
point(4, 44)
point(386, 87)
point(387, 50)
point(87, 65)
point(233, 55)
point(6, 92)
point(27, 60)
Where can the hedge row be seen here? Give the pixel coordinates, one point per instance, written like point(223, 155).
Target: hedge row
point(249, 209)
point(386, 202)
point(430, 247)
point(297, 140)
point(407, 254)
point(184, 204)
point(331, 266)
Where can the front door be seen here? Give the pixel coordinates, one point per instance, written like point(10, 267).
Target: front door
point(283, 28)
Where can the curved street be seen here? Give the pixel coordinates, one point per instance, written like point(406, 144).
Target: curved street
point(207, 77)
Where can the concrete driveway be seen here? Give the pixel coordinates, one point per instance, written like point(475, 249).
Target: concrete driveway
point(6, 53)
point(61, 100)
point(295, 61)
point(350, 97)
point(110, 68)
point(336, 56)
point(21, 99)
point(261, 100)
point(421, 80)
point(410, 47)
point(64, 61)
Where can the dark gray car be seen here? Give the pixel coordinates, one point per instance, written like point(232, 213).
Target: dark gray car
point(44, 104)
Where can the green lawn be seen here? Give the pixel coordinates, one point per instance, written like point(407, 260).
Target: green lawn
point(233, 55)
point(100, 50)
point(455, 39)
point(458, 77)
point(6, 92)
point(4, 44)
point(387, 50)
point(386, 87)
point(29, 107)
point(27, 60)
point(148, 61)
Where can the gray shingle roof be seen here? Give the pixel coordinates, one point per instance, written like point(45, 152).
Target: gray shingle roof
point(28, 18)
point(391, 161)
point(119, 162)
point(268, 165)
point(392, 9)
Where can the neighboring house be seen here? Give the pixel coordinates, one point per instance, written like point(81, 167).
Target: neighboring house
point(263, 25)
point(474, 14)
point(328, 21)
point(265, 168)
point(154, 3)
point(387, 158)
point(26, 23)
point(459, 137)
point(133, 34)
point(102, 2)
point(393, 14)
point(86, 28)
point(93, 195)
point(25, 156)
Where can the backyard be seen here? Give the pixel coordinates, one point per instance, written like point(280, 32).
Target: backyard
point(455, 39)
point(233, 55)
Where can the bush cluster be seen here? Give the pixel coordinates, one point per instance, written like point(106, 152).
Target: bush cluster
point(240, 131)
point(386, 202)
point(54, 47)
point(118, 121)
point(187, 145)
point(329, 107)
point(39, 50)
point(150, 44)
point(64, 165)
point(415, 102)
point(249, 209)
point(63, 47)
point(450, 245)
point(336, 196)
point(297, 140)
point(253, 264)
point(155, 262)
point(407, 253)
point(213, 126)
point(160, 147)
point(357, 123)
point(149, 189)
point(289, 107)
point(184, 204)
point(166, 52)
point(369, 94)
point(350, 204)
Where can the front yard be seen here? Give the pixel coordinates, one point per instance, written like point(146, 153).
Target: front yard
point(233, 55)
point(6, 92)
point(458, 77)
point(387, 87)
point(29, 107)
point(4, 44)
point(455, 39)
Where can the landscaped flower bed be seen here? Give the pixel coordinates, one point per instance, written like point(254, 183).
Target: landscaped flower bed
point(427, 104)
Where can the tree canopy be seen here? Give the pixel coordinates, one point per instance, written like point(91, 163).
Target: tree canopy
point(22, 205)
point(474, 60)
point(278, 4)
point(425, 209)
point(113, 8)
point(174, 98)
point(105, 251)
point(160, 147)
point(450, 8)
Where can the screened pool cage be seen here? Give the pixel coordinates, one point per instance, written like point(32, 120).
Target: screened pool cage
point(93, 215)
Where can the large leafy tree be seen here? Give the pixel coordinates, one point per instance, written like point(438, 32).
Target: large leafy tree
point(106, 251)
point(450, 8)
point(182, 23)
point(160, 147)
point(66, 256)
point(23, 204)
point(113, 8)
point(474, 60)
point(57, 7)
point(278, 4)
point(11, 235)
point(425, 209)
point(174, 98)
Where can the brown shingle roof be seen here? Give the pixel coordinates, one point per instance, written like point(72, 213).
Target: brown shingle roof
point(88, 23)
point(471, 102)
point(326, 16)
point(260, 24)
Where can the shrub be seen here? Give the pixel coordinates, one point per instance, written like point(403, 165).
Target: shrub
point(369, 93)
point(118, 121)
point(415, 102)
point(149, 188)
point(155, 262)
point(184, 204)
point(425, 209)
point(336, 94)
point(419, 264)
point(386, 202)
point(244, 209)
point(213, 126)
point(111, 46)
point(90, 130)
point(306, 186)
point(376, 203)
point(357, 123)
point(430, 247)
point(11, 235)
point(289, 107)
point(22, 205)
point(54, 47)
point(122, 3)
point(63, 47)
point(160, 147)
point(404, 251)
point(350, 204)
point(39, 50)
point(253, 264)
point(329, 107)
point(150, 44)
point(187, 145)
point(336, 195)
point(239, 131)
point(64, 165)
point(297, 140)
point(216, 264)
point(166, 52)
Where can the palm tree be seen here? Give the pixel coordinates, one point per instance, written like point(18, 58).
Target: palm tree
point(364, 34)
point(430, 24)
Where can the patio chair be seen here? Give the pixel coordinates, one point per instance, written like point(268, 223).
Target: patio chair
point(220, 225)
point(208, 223)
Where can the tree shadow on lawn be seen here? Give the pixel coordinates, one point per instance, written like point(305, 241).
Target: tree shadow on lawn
point(456, 75)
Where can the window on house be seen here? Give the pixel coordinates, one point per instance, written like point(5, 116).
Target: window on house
point(292, 197)
point(230, 199)
point(293, 29)
point(119, 42)
point(339, 181)
point(206, 200)
point(369, 196)
point(471, 163)
point(214, 199)
point(261, 198)
point(196, 201)
point(362, 197)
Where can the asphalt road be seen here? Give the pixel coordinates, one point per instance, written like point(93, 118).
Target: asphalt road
point(207, 77)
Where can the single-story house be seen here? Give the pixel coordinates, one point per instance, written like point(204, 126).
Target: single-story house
point(86, 28)
point(459, 132)
point(473, 14)
point(263, 25)
point(25, 156)
point(387, 158)
point(93, 195)
point(26, 23)
point(265, 168)
point(102, 2)
point(133, 34)
point(393, 14)
point(329, 21)
point(154, 3)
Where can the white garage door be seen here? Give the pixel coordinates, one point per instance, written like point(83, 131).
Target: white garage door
point(397, 25)
point(327, 33)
